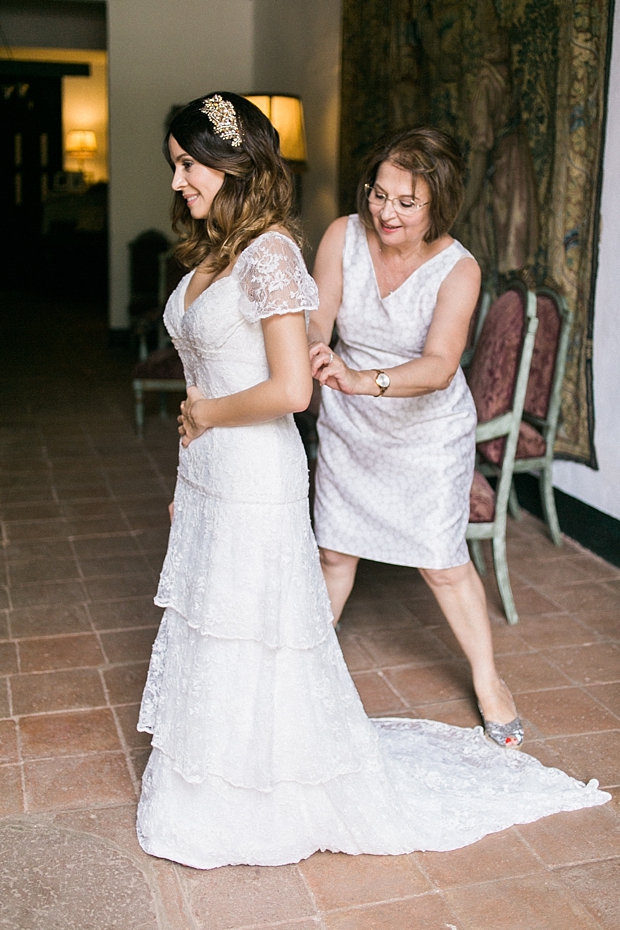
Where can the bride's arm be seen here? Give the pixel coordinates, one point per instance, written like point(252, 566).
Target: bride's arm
point(288, 388)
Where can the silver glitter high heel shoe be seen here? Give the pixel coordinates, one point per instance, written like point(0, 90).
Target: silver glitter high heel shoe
point(507, 735)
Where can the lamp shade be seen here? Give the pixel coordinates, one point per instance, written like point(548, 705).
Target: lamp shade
point(81, 143)
point(286, 114)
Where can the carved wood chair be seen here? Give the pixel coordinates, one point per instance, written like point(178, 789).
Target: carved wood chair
point(498, 378)
point(161, 370)
point(543, 398)
point(144, 307)
point(477, 322)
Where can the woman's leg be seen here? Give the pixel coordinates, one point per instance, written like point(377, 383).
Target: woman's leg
point(339, 573)
point(461, 596)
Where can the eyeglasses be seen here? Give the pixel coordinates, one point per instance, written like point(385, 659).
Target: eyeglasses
point(402, 205)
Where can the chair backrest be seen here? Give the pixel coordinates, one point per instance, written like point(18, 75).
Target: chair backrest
point(500, 432)
point(170, 273)
point(475, 325)
point(542, 399)
point(496, 375)
point(144, 252)
point(493, 372)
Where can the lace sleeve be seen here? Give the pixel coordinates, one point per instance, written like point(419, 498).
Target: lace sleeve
point(273, 276)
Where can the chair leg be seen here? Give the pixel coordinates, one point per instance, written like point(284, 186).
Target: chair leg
point(477, 556)
point(503, 580)
point(513, 503)
point(139, 393)
point(548, 505)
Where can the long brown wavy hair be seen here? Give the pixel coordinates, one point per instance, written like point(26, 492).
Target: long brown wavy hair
point(257, 192)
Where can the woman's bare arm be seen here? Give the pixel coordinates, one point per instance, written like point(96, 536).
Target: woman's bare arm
point(445, 342)
point(287, 390)
point(328, 276)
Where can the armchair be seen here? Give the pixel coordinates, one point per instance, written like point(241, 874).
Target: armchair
point(498, 378)
point(541, 411)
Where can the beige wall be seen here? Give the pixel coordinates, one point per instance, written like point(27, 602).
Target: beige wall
point(170, 51)
point(161, 53)
point(297, 51)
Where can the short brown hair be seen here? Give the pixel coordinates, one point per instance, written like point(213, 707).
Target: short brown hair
point(257, 192)
point(428, 153)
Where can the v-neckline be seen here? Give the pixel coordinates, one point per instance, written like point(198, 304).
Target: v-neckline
point(409, 277)
point(187, 308)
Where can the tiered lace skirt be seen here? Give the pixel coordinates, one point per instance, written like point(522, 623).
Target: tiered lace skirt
point(262, 753)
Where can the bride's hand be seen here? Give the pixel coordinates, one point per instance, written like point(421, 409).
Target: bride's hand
point(329, 369)
point(191, 425)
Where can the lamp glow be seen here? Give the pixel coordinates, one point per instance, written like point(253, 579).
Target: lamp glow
point(286, 114)
point(81, 143)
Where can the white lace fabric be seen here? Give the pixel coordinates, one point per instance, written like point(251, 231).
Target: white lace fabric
point(262, 751)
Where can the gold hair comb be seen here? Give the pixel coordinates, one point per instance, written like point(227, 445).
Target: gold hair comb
point(223, 118)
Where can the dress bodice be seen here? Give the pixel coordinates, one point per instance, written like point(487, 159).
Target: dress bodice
point(383, 332)
point(219, 337)
point(221, 344)
point(387, 331)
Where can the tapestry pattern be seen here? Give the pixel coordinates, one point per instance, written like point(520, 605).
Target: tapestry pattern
point(521, 84)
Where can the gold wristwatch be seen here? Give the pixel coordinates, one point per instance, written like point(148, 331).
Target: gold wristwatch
point(382, 381)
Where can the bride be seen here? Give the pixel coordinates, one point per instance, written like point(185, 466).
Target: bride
point(262, 753)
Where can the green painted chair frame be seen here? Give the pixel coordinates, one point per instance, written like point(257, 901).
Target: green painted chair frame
point(506, 425)
point(547, 425)
point(480, 315)
point(163, 386)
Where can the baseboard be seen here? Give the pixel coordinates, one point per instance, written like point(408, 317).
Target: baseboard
point(590, 527)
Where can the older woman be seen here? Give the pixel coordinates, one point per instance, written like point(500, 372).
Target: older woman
point(397, 428)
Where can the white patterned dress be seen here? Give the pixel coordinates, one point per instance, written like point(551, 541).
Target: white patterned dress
point(262, 753)
point(394, 473)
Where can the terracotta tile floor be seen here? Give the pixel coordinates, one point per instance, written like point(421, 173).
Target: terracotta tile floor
point(84, 523)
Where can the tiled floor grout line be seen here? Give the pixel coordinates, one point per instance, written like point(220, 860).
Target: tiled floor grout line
point(366, 905)
point(85, 754)
point(563, 865)
point(181, 885)
point(581, 862)
point(20, 757)
point(308, 888)
point(282, 924)
point(135, 781)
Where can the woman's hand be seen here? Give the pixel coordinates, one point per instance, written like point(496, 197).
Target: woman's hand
point(329, 369)
point(191, 426)
point(171, 511)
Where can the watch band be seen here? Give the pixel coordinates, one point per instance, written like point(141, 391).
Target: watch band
point(381, 377)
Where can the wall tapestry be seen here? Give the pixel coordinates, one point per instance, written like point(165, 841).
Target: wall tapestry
point(522, 86)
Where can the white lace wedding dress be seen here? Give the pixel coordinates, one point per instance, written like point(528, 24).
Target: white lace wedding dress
point(262, 751)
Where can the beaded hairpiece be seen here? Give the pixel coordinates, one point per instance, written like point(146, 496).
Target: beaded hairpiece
point(223, 118)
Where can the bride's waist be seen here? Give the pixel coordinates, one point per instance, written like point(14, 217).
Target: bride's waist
point(247, 462)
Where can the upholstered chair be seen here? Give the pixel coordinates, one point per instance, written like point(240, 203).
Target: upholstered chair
point(161, 370)
point(498, 378)
point(144, 308)
point(477, 322)
point(543, 398)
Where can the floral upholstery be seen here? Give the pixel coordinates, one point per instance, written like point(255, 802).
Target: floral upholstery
point(493, 371)
point(530, 445)
point(481, 500)
point(164, 364)
point(543, 360)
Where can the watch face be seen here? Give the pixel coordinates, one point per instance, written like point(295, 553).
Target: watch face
point(382, 380)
